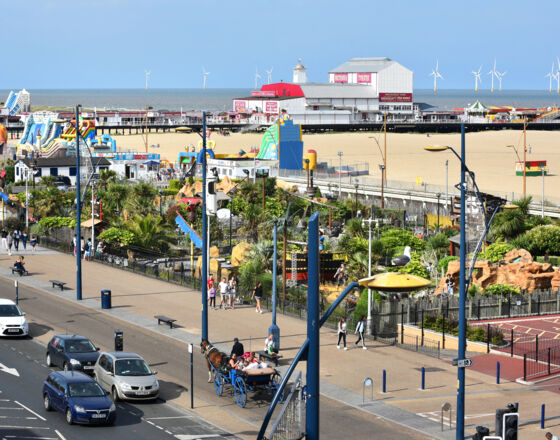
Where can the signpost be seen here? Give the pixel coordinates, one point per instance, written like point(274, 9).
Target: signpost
point(192, 380)
point(462, 363)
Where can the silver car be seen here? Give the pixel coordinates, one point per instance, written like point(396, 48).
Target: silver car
point(126, 376)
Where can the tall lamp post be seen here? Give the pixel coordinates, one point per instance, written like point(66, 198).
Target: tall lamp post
point(382, 168)
point(78, 212)
point(460, 424)
point(204, 329)
point(356, 198)
point(274, 330)
point(543, 169)
point(438, 195)
point(369, 318)
point(340, 175)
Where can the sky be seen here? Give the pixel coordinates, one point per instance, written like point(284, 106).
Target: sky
point(110, 43)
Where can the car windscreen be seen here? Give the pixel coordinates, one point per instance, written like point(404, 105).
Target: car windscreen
point(85, 389)
point(132, 367)
point(9, 310)
point(79, 346)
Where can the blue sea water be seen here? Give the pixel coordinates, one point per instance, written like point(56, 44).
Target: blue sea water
point(221, 99)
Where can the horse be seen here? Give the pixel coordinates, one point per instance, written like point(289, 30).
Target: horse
point(213, 357)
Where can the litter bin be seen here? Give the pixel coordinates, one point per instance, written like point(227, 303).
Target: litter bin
point(105, 299)
point(119, 340)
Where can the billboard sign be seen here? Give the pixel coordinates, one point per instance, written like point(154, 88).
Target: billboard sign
point(364, 78)
point(395, 97)
point(239, 106)
point(340, 77)
point(271, 107)
point(267, 93)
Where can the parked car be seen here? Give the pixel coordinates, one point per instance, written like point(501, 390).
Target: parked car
point(72, 352)
point(126, 376)
point(12, 319)
point(79, 397)
point(63, 183)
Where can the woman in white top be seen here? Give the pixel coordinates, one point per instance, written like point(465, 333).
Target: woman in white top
point(231, 292)
point(223, 286)
point(341, 333)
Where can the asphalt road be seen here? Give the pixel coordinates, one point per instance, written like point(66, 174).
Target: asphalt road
point(23, 416)
point(46, 312)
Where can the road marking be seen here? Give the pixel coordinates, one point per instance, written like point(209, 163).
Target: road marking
point(195, 437)
point(165, 418)
point(59, 434)
point(31, 411)
point(35, 438)
point(9, 407)
point(11, 371)
point(22, 427)
point(14, 417)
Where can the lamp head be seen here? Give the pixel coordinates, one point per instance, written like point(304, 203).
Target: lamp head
point(434, 148)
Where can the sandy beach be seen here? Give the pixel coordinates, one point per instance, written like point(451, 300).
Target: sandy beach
point(487, 156)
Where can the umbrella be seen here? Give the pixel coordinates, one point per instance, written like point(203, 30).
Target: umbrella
point(151, 162)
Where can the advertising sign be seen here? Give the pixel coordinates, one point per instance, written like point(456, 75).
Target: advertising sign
point(395, 97)
point(364, 78)
point(239, 106)
point(268, 93)
point(271, 107)
point(340, 77)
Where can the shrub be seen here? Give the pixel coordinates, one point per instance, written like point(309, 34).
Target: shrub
point(117, 236)
point(175, 184)
point(444, 263)
point(361, 306)
point(393, 238)
point(501, 289)
point(169, 192)
point(49, 223)
point(496, 251)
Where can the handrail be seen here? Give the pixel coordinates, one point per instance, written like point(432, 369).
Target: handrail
point(294, 389)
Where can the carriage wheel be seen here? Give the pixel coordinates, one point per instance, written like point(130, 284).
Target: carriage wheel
point(275, 382)
point(240, 392)
point(218, 384)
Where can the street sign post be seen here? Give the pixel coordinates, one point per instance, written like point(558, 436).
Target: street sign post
point(462, 363)
point(192, 381)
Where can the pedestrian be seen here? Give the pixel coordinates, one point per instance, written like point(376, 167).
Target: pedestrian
point(82, 247)
point(16, 239)
point(75, 244)
point(33, 242)
point(24, 239)
point(87, 250)
point(237, 348)
point(231, 292)
point(257, 294)
point(450, 283)
point(549, 436)
point(340, 275)
point(211, 292)
point(4, 239)
point(10, 243)
point(223, 286)
point(341, 333)
point(360, 327)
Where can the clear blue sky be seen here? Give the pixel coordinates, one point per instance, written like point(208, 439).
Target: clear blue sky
point(109, 43)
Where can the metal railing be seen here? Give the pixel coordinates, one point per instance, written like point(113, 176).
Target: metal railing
point(289, 423)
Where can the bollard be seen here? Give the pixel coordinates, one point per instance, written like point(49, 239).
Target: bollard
point(384, 381)
point(537, 349)
point(498, 373)
point(511, 347)
point(488, 338)
point(525, 367)
point(423, 378)
point(542, 416)
point(548, 360)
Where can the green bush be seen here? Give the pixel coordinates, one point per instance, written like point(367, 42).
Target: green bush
point(361, 306)
point(444, 263)
point(496, 251)
point(540, 240)
point(169, 192)
point(554, 260)
point(48, 223)
point(394, 238)
point(501, 289)
point(117, 236)
point(175, 184)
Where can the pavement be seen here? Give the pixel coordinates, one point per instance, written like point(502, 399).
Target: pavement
point(406, 407)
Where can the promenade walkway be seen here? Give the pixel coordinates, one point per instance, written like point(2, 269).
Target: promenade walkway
point(137, 298)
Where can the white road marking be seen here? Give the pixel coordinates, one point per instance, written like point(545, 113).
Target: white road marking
point(165, 418)
point(31, 411)
point(10, 407)
point(15, 417)
point(35, 438)
point(59, 434)
point(22, 427)
point(195, 437)
point(12, 371)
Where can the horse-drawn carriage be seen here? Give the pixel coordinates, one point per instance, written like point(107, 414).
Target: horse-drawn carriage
point(240, 382)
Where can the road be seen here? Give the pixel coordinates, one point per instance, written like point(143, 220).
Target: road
point(22, 414)
point(48, 313)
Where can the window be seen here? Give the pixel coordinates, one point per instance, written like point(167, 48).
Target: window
point(72, 171)
point(54, 171)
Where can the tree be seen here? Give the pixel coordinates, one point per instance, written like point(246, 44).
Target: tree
point(149, 233)
point(106, 177)
point(142, 199)
point(48, 181)
point(115, 198)
point(510, 223)
point(252, 214)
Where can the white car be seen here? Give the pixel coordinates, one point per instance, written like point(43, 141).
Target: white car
point(12, 319)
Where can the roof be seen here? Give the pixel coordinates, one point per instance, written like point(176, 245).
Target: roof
point(363, 65)
point(68, 337)
point(321, 90)
point(74, 376)
point(283, 89)
point(43, 162)
point(4, 301)
point(123, 355)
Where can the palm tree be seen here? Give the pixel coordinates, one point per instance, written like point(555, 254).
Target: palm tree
point(115, 199)
point(511, 222)
point(48, 181)
point(149, 233)
point(262, 252)
point(143, 197)
point(106, 177)
point(252, 215)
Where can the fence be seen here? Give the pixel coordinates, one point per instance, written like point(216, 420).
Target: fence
point(289, 423)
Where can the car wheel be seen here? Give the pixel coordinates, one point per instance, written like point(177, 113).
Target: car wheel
point(49, 360)
point(47, 403)
point(65, 367)
point(115, 394)
point(69, 417)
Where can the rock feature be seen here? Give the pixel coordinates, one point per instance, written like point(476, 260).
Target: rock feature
point(517, 269)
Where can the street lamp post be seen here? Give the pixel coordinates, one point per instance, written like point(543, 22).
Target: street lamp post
point(356, 198)
point(274, 330)
point(438, 195)
point(369, 318)
point(542, 203)
point(78, 212)
point(382, 168)
point(204, 275)
point(446, 183)
point(340, 175)
point(26, 201)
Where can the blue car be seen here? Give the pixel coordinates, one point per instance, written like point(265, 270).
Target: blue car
point(79, 397)
point(72, 352)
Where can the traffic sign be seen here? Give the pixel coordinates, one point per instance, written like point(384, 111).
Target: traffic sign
point(462, 363)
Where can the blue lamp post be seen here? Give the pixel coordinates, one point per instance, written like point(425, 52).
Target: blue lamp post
point(78, 212)
point(204, 325)
point(274, 330)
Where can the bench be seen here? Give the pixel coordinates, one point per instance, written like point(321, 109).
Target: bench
point(270, 357)
point(166, 319)
point(57, 283)
point(20, 271)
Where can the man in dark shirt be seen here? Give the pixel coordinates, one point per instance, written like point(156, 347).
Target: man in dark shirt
point(237, 348)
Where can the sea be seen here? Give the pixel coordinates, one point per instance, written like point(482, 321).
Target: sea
point(221, 99)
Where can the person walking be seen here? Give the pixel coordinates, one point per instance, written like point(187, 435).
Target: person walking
point(75, 244)
point(4, 239)
point(340, 275)
point(257, 294)
point(360, 327)
point(231, 292)
point(87, 250)
point(16, 239)
point(33, 243)
point(450, 283)
point(24, 239)
point(223, 286)
point(10, 243)
point(342, 333)
point(211, 292)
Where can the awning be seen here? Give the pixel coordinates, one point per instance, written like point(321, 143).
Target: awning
point(87, 223)
point(151, 162)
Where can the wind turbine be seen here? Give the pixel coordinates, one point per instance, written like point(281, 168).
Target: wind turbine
point(500, 77)
point(550, 77)
point(269, 75)
point(435, 73)
point(477, 78)
point(257, 77)
point(493, 73)
point(558, 76)
point(204, 76)
point(147, 72)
